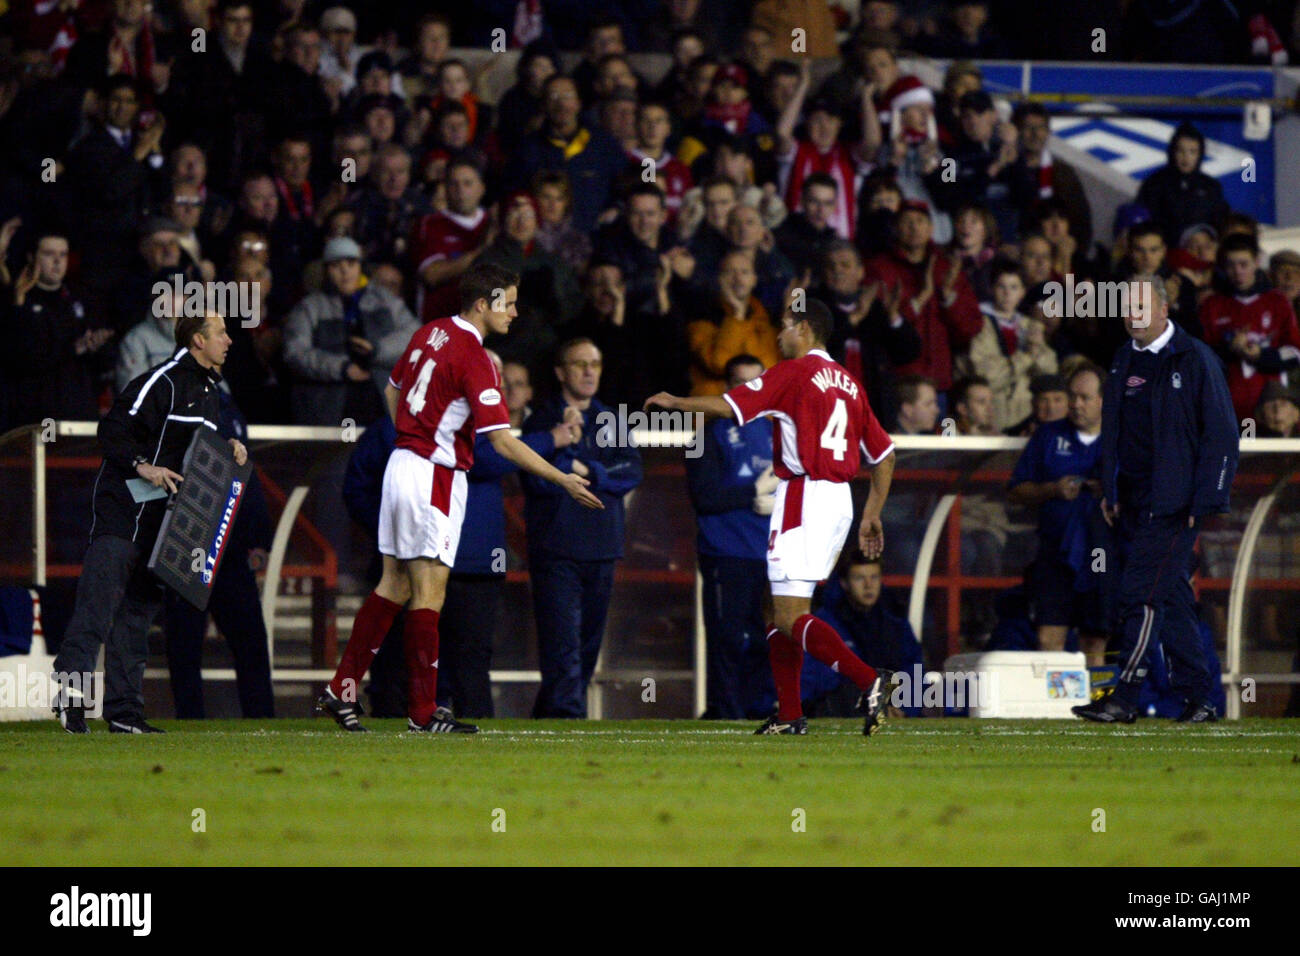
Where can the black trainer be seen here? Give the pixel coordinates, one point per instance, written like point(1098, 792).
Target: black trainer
point(345, 714)
point(72, 717)
point(442, 722)
point(132, 725)
point(775, 725)
point(1198, 714)
point(874, 702)
point(1108, 710)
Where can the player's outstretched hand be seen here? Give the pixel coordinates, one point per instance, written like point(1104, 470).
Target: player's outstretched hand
point(241, 453)
point(662, 399)
point(871, 536)
point(576, 486)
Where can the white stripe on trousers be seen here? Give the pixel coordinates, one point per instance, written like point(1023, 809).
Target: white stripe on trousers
point(1144, 638)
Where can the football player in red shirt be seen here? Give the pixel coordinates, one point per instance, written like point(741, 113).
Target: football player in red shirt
point(820, 420)
point(443, 391)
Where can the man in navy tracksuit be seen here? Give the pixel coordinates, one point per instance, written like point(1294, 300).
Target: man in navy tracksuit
point(732, 487)
point(1169, 453)
point(572, 550)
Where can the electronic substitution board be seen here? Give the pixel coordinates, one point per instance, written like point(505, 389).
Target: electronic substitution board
point(199, 519)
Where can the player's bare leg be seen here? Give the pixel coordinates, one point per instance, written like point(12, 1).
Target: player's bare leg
point(372, 623)
point(1093, 646)
point(428, 584)
point(1051, 637)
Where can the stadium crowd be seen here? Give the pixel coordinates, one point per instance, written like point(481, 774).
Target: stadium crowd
point(345, 164)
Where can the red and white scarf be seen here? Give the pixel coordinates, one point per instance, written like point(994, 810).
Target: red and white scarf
point(838, 164)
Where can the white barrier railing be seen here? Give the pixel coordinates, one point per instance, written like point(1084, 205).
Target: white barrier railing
point(1232, 676)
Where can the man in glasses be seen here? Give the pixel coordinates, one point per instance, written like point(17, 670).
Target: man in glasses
point(571, 549)
point(185, 208)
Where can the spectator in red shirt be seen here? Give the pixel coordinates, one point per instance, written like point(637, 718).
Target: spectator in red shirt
point(1253, 328)
point(937, 298)
point(447, 243)
point(653, 126)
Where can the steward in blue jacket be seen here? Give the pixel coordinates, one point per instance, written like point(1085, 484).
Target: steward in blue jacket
point(1169, 453)
point(731, 485)
point(571, 549)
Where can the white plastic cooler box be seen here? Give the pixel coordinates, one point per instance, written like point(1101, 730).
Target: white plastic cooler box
point(1021, 683)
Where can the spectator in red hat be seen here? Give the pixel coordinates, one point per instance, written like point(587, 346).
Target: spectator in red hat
point(729, 107)
point(936, 297)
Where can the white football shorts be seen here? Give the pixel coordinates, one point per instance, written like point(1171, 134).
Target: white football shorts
point(422, 508)
point(810, 521)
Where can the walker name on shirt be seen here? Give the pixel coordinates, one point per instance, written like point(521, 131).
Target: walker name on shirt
point(835, 378)
point(96, 910)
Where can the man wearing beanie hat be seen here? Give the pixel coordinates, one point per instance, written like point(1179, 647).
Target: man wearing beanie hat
point(340, 343)
point(1279, 411)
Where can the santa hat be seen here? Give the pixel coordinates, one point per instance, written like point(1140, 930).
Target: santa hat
point(909, 91)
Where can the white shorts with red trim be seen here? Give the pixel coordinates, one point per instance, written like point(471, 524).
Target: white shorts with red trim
point(422, 508)
point(810, 521)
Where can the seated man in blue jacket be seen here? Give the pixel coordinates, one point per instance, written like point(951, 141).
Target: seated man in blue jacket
point(855, 605)
point(732, 488)
point(571, 551)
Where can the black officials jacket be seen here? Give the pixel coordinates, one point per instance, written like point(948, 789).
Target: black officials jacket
point(153, 419)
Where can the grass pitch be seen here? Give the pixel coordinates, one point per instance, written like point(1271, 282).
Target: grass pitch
point(947, 792)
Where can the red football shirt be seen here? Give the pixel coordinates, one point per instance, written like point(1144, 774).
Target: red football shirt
point(820, 418)
point(1268, 321)
point(444, 235)
point(672, 174)
point(450, 391)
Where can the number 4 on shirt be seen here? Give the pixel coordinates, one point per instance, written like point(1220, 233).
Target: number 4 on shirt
point(415, 397)
point(833, 434)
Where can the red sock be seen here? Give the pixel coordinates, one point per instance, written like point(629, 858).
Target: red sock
point(421, 640)
point(821, 641)
point(368, 630)
point(787, 664)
